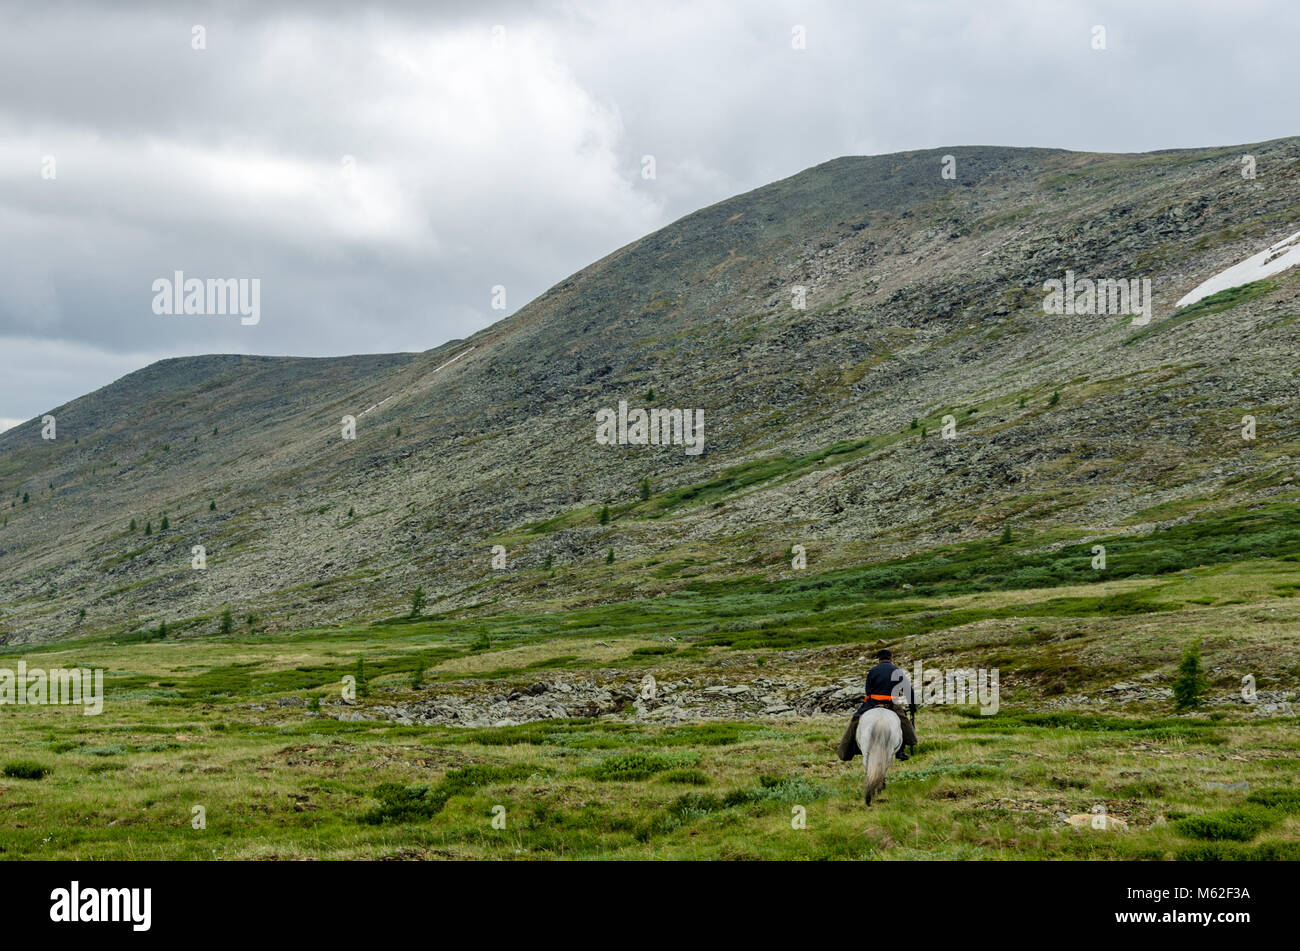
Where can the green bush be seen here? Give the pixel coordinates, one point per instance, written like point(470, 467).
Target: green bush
point(25, 769)
point(418, 601)
point(631, 766)
point(1190, 683)
point(1238, 825)
point(398, 803)
point(113, 749)
point(1288, 800)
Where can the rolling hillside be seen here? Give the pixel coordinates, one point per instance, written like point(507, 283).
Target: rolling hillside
point(924, 298)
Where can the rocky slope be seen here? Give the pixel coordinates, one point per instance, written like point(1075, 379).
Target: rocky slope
point(924, 297)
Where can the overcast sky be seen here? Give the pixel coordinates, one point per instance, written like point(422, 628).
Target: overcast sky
point(380, 167)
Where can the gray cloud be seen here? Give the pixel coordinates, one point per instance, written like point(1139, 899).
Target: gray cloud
point(478, 166)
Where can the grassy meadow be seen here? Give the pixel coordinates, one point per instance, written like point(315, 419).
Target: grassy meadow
point(246, 725)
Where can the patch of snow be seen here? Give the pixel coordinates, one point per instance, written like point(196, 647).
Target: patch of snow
point(1272, 260)
point(434, 370)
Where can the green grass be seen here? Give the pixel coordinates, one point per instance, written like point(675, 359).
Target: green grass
point(1214, 304)
point(201, 722)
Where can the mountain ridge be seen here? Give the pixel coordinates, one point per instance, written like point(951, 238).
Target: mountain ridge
point(923, 300)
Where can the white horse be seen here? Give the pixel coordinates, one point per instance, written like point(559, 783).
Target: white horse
point(879, 737)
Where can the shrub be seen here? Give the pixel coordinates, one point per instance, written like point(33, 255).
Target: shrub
point(1288, 800)
point(631, 766)
point(1238, 825)
point(398, 803)
point(786, 789)
point(1190, 683)
point(227, 621)
point(418, 601)
point(113, 749)
point(25, 769)
point(604, 515)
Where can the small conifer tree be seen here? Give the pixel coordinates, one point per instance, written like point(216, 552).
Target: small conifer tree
point(1190, 683)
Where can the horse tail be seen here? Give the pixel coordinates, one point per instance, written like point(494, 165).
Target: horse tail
point(878, 750)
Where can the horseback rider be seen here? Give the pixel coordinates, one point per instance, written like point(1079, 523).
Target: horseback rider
point(887, 686)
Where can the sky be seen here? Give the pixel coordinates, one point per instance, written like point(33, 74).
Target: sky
point(398, 174)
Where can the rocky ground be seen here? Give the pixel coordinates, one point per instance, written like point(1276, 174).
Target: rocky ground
point(924, 299)
point(611, 694)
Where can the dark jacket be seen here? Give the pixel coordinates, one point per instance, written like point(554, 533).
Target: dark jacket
point(886, 680)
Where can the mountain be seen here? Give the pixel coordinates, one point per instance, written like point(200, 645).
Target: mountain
point(924, 297)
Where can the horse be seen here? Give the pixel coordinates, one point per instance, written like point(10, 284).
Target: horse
point(879, 737)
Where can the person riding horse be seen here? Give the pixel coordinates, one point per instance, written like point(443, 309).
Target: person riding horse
point(887, 686)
